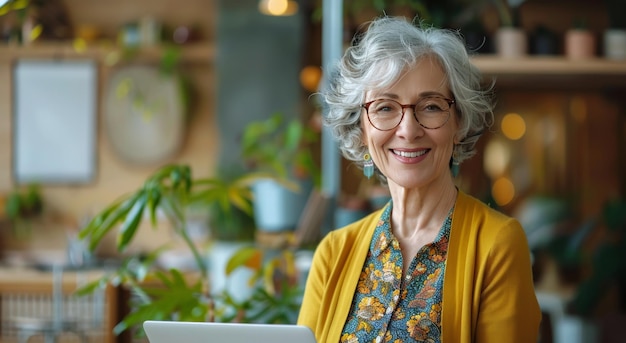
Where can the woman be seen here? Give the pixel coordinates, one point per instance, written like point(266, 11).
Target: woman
point(434, 265)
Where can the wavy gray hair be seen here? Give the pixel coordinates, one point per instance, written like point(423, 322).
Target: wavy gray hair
point(379, 57)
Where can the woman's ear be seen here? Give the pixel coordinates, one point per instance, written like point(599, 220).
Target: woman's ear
point(457, 138)
point(363, 134)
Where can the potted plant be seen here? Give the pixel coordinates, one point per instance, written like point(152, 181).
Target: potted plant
point(511, 39)
point(607, 261)
point(282, 150)
point(580, 42)
point(590, 260)
point(614, 39)
point(274, 279)
point(158, 293)
point(21, 206)
point(19, 28)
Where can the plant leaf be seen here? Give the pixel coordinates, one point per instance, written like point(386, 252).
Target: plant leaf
point(131, 223)
point(154, 198)
point(118, 212)
point(248, 256)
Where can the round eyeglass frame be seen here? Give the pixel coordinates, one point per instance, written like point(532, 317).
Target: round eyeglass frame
point(413, 106)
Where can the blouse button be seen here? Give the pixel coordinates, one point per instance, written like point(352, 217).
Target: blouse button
point(408, 277)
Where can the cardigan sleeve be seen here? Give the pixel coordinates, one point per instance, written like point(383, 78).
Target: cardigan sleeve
point(488, 293)
point(508, 307)
point(315, 284)
point(332, 279)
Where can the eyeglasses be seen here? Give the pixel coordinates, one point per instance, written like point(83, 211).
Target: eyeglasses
point(430, 112)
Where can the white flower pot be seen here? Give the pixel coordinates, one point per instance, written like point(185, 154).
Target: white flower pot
point(511, 42)
point(237, 283)
point(572, 329)
point(277, 208)
point(615, 44)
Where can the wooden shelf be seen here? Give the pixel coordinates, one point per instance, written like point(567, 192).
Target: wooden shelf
point(190, 53)
point(540, 72)
point(548, 66)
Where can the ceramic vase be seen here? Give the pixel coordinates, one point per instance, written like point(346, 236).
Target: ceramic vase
point(277, 208)
point(615, 44)
point(579, 44)
point(511, 42)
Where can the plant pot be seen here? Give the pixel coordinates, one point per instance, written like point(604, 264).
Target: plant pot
point(573, 329)
point(579, 44)
point(544, 42)
point(615, 44)
point(511, 42)
point(237, 284)
point(277, 208)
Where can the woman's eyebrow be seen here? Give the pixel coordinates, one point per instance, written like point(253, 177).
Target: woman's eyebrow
point(421, 95)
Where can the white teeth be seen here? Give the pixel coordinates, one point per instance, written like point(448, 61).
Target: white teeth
point(409, 154)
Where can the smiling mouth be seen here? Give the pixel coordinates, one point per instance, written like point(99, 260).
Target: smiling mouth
point(409, 154)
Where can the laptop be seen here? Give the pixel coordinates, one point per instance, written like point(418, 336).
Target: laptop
point(205, 332)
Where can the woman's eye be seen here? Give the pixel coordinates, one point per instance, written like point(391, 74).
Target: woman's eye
point(385, 107)
point(432, 107)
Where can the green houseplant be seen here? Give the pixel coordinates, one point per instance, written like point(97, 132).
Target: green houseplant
point(276, 289)
point(171, 190)
point(171, 294)
point(607, 262)
point(510, 38)
point(282, 149)
point(23, 205)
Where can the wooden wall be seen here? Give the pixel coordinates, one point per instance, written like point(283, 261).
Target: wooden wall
point(114, 177)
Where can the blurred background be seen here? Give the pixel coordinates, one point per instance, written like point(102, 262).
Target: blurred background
point(95, 96)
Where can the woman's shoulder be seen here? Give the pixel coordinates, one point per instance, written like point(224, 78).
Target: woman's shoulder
point(479, 219)
point(480, 210)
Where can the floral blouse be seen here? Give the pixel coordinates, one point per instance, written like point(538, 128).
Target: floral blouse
point(388, 308)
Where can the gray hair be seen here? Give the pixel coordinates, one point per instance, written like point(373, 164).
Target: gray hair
point(379, 57)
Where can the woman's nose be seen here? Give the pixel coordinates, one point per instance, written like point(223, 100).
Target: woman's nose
point(409, 125)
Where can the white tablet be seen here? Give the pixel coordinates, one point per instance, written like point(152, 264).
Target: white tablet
point(203, 332)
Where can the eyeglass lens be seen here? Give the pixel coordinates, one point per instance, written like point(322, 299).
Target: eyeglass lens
point(430, 112)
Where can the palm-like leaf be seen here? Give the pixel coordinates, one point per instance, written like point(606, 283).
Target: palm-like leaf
point(169, 190)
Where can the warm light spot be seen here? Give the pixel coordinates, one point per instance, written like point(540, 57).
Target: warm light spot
point(513, 126)
point(310, 78)
point(503, 191)
point(278, 7)
point(496, 159)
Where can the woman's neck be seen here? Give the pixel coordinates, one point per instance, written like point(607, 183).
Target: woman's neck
point(419, 211)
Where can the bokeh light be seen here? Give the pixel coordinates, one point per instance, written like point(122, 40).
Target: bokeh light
point(513, 126)
point(278, 7)
point(310, 77)
point(503, 191)
point(496, 159)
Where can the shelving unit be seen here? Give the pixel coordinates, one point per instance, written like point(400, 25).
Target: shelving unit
point(190, 53)
point(540, 72)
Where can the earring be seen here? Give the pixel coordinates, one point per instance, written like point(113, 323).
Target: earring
point(368, 166)
point(455, 166)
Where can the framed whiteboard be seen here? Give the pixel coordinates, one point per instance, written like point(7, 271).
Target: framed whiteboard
point(54, 121)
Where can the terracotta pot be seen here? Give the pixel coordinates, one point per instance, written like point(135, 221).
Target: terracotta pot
point(511, 42)
point(615, 44)
point(580, 44)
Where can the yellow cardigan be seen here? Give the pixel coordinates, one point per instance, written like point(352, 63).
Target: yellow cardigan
point(488, 293)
